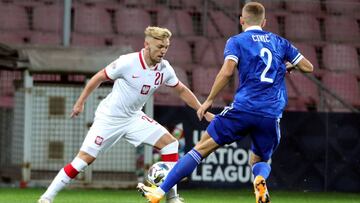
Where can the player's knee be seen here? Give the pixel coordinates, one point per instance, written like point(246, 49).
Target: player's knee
point(171, 148)
point(169, 153)
point(74, 168)
point(86, 157)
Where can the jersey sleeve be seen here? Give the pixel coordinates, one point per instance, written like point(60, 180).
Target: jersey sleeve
point(231, 50)
point(115, 69)
point(292, 54)
point(171, 78)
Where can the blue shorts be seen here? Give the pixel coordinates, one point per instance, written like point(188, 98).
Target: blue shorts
point(231, 125)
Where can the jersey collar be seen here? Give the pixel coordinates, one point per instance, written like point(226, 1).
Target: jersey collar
point(254, 27)
point(143, 63)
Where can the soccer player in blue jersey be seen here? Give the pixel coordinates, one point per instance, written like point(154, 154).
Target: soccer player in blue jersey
point(262, 59)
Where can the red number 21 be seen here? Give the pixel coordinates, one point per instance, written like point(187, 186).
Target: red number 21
point(159, 78)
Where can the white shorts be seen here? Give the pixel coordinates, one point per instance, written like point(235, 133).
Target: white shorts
point(106, 131)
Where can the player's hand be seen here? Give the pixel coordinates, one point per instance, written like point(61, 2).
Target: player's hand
point(209, 116)
point(77, 109)
point(203, 109)
point(289, 67)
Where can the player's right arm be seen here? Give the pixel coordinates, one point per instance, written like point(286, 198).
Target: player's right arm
point(231, 55)
point(222, 79)
point(93, 83)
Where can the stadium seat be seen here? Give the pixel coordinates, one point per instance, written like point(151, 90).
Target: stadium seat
point(344, 85)
point(225, 26)
point(271, 5)
point(229, 5)
point(133, 43)
point(92, 19)
point(272, 24)
point(46, 38)
point(178, 21)
point(7, 102)
point(202, 81)
point(209, 52)
point(339, 57)
point(295, 102)
point(165, 95)
point(137, 3)
point(179, 52)
point(88, 40)
point(193, 4)
point(342, 7)
point(13, 17)
point(309, 52)
point(302, 27)
point(132, 21)
point(341, 29)
point(14, 37)
point(48, 17)
point(303, 89)
point(312, 6)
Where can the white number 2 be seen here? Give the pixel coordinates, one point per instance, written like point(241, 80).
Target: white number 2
point(263, 77)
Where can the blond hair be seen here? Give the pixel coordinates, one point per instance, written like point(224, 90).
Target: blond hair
point(253, 13)
point(157, 33)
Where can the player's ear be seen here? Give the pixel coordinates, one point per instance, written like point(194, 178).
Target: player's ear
point(263, 23)
point(242, 21)
point(146, 44)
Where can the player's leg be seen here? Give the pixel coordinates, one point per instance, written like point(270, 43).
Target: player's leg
point(259, 166)
point(169, 148)
point(66, 174)
point(225, 128)
point(265, 139)
point(100, 137)
point(143, 129)
point(184, 167)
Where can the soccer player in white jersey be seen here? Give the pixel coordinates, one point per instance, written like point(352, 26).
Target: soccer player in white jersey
point(136, 76)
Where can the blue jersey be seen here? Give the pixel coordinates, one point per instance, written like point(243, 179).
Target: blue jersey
point(261, 57)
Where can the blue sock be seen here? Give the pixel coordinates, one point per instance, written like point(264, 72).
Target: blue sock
point(184, 167)
point(261, 168)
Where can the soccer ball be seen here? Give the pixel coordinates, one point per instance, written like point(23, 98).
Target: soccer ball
point(157, 173)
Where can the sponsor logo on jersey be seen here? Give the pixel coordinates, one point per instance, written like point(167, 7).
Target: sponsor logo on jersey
point(99, 140)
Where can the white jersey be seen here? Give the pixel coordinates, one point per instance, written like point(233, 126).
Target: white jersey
point(134, 83)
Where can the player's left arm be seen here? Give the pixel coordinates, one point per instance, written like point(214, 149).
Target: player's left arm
point(190, 99)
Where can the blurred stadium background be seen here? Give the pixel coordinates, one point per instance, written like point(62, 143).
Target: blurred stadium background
point(50, 48)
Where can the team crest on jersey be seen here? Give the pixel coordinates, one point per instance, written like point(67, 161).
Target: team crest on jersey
point(99, 140)
point(145, 89)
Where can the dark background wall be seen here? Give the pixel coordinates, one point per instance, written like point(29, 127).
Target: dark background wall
point(318, 152)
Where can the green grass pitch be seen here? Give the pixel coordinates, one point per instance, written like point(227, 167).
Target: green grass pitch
point(14, 195)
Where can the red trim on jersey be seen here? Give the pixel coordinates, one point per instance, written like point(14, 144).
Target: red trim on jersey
point(156, 66)
point(141, 60)
point(106, 75)
point(71, 171)
point(170, 157)
point(174, 85)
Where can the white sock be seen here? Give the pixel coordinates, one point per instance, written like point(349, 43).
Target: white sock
point(62, 179)
point(160, 191)
point(170, 149)
point(59, 182)
point(172, 192)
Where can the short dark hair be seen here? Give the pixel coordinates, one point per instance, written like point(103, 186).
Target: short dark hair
point(255, 13)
